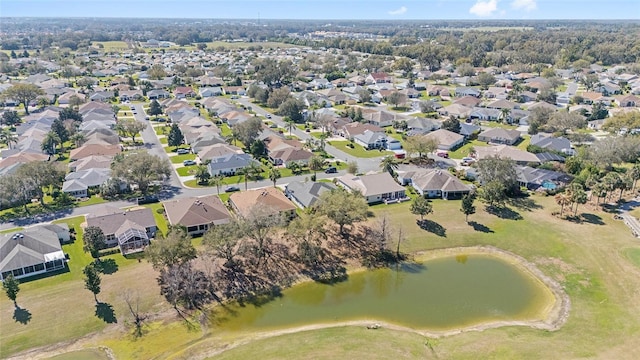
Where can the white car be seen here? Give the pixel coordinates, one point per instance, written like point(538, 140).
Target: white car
point(188, 162)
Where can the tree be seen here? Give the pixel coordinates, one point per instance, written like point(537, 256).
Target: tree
point(578, 196)
point(247, 131)
point(364, 96)
point(133, 304)
point(74, 101)
point(216, 181)
point(156, 72)
point(389, 164)
point(467, 207)
point(49, 142)
point(501, 170)
point(452, 124)
point(173, 249)
point(274, 175)
point(11, 287)
point(396, 99)
point(130, 128)
point(427, 107)
point(202, 174)
point(307, 232)
point(420, 144)
point(10, 118)
point(186, 286)
point(493, 193)
point(421, 206)
point(24, 93)
point(343, 207)
point(78, 139)
point(352, 167)
point(38, 175)
point(485, 80)
point(403, 64)
point(141, 168)
point(316, 163)
point(258, 149)
point(562, 199)
point(290, 123)
point(92, 280)
point(634, 175)
point(61, 130)
point(175, 137)
point(70, 114)
point(8, 137)
point(292, 108)
point(154, 108)
point(277, 97)
point(94, 241)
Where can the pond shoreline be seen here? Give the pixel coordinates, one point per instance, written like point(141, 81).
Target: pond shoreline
point(557, 314)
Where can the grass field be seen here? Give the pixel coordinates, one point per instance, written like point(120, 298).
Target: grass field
point(112, 45)
point(463, 150)
point(596, 261)
point(358, 151)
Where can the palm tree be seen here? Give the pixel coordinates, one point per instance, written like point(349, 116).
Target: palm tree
point(600, 191)
point(78, 139)
point(634, 174)
point(316, 163)
point(610, 182)
point(504, 115)
point(8, 137)
point(562, 199)
point(51, 139)
point(216, 181)
point(274, 175)
point(389, 164)
point(290, 124)
point(202, 174)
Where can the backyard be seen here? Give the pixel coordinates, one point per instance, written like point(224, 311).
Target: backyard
point(596, 261)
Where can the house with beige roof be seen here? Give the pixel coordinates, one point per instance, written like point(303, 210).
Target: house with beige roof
point(197, 214)
point(434, 183)
point(130, 230)
point(270, 198)
point(447, 140)
point(375, 188)
point(87, 150)
point(500, 136)
point(506, 152)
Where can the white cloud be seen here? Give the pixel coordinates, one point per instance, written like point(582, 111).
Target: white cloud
point(484, 8)
point(527, 5)
point(401, 10)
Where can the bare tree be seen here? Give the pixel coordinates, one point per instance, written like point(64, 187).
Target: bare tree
point(133, 304)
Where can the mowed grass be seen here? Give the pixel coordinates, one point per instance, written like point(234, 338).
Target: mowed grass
point(112, 45)
point(358, 151)
point(464, 150)
point(589, 259)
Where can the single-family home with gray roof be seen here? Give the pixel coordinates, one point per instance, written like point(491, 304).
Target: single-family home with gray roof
point(375, 187)
point(230, 164)
point(306, 194)
point(130, 230)
point(434, 183)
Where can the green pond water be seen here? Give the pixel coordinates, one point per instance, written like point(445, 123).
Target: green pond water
point(440, 294)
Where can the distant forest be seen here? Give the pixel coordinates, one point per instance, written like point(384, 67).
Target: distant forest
point(509, 42)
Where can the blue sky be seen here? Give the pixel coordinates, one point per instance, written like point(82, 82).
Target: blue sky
point(327, 9)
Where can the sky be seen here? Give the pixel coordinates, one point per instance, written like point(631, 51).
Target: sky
point(327, 9)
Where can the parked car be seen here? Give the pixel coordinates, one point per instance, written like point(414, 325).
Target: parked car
point(443, 154)
point(400, 155)
point(146, 118)
point(331, 170)
point(188, 162)
point(268, 116)
point(466, 161)
point(231, 189)
point(147, 199)
point(182, 151)
point(273, 126)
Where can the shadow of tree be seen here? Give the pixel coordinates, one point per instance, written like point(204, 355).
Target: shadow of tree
point(504, 213)
point(592, 219)
point(480, 227)
point(432, 227)
point(105, 312)
point(23, 316)
point(524, 203)
point(106, 266)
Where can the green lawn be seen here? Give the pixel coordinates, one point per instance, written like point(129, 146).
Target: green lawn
point(173, 149)
point(522, 145)
point(95, 199)
point(178, 159)
point(110, 46)
point(186, 170)
point(358, 151)
point(463, 151)
point(11, 230)
point(633, 254)
point(163, 140)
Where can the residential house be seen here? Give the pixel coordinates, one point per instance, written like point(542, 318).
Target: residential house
point(130, 230)
point(306, 194)
point(32, 251)
point(158, 94)
point(371, 140)
point(500, 136)
point(375, 187)
point(467, 129)
point(455, 110)
point(131, 95)
point(506, 152)
point(206, 92)
point(419, 126)
point(230, 164)
point(447, 140)
point(78, 183)
point(182, 92)
point(549, 142)
point(627, 101)
point(271, 199)
point(467, 91)
point(534, 178)
point(380, 117)
point(91, 162)
point(468, 101)
point(197, 214)
point(217, 150)
point(485, 114)
point(378, 78)
point(93, 150)
point(350, 130)
point(434, 183)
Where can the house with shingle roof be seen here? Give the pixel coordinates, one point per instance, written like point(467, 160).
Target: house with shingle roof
point(375, 187)
point(434, 183)
point(32, 251)
point(506, 152)
point(500, 136)
point(197, 214)
point(447, 140)
point(306, 194)
point(130, 230)
point(270, 198)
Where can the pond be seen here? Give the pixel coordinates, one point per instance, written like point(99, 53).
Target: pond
point(88, 354)
point(441, 294)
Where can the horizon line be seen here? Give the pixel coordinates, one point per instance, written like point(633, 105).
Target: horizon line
point(334, 19)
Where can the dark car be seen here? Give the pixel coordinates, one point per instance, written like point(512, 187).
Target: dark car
point(231, 189)
point(149, 199)
point(331, 170)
